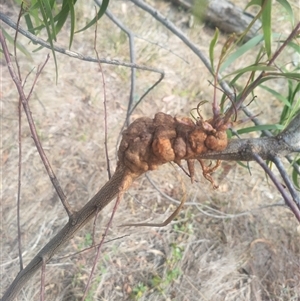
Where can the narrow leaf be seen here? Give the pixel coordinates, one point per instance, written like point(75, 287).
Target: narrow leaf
point(290, 75)
point(212, 48)
point(253, 2)
point(45, 6)
point(266, 25)
point(261, 128)
point(62, 16)
point(29, 24)
point(99, 15)
point(72, 29)
point(286, 5)
point(251, 68)
point(44, 14)
point(281, 98)
point(242, 50)
point(295, 46)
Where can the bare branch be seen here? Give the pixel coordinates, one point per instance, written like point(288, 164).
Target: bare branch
point(242, 149)
point(43, 276)
point(130, 35)
point(294, 193)
point(20, 152)
point(278, 185)
point(104, 103)
point(31, 123)
point(104, 196)
point(267, 133)
point(291, 134)
point(162, 19)
point(119, 197)
point(19, 185)
point(70, 53)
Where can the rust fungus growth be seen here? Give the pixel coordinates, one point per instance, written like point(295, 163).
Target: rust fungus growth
point(149, 143)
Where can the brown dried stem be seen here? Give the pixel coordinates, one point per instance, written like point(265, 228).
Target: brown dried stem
point(31, 123)
point(278, 185)
point(104, 102)
point(99, 246)
point(20, 154)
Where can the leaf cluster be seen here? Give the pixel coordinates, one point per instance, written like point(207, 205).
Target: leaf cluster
point(263, 70)
point(51, 15)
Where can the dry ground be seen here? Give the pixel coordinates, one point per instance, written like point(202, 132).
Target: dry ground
point(225, 245)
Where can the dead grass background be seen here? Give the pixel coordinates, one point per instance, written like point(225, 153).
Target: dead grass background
point(211, 252)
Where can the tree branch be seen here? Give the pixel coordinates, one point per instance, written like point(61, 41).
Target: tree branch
point(70, 53)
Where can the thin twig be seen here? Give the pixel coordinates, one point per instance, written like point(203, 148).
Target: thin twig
point(138, 102)
point(257, 81)
point(118, 200)
point(294, 193)
point(162, 47)
point(43, 276)
point(104, 104)
point(278, 185)
point(38, 73)
point(19, 186)
point(130, 35)
point(70, 53)
point(32, 127)
point(171, 26)
point(220, 214)
point(89, 248)
point(20, 150)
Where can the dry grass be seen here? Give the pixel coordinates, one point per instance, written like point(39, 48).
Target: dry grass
point(211, 252)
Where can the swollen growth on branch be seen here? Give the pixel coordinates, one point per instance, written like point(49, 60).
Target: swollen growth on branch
point(149, 143)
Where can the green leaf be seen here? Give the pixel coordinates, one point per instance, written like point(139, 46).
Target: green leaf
point(212, 48)
point(99, 15)
point(287, 75)
point(242, 50)
point(295, 46)
point(289, 112)
point(260, 128)
point(266, 25)
point(281, 98)
point(29, 24)
point(72, 14)
point(294, 93)
point(46, 10)
point(251, 68)
point(286, 5)
point(46, 13)
point(253, 2)
point(62, 16)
